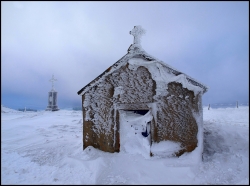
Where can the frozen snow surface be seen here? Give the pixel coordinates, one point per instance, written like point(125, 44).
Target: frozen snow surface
point(8, 110)
point(46, 148)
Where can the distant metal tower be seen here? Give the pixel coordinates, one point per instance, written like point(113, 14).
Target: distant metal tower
point(52, 98)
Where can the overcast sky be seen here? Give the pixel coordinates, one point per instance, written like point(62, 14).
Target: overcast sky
point(77, 41)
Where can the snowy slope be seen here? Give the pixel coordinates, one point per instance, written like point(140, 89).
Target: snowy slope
point(7, 110)
point(46, 148)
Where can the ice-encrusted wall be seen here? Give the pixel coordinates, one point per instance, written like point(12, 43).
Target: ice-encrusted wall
point(175, 120)
point(173, 100)
point(99, 116)
point(122, 86)
point(135, 86)
point(97, 103)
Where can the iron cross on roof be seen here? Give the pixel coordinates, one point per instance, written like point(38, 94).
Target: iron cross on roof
point(52, 80)
point(137, 32)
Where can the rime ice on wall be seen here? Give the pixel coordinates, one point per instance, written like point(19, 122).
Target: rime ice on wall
point(163, 75)
point(97, 102)
point(98, 108)
point(177, 100)
point(122, 86)
point(136, 85)
point(175, 119)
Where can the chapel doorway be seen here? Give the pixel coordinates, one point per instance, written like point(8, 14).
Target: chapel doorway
point(135, 136)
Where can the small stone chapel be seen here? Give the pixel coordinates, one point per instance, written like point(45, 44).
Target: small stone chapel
point(169, 100)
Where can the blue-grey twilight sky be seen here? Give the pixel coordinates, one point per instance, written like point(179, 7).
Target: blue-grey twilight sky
point(77, 41)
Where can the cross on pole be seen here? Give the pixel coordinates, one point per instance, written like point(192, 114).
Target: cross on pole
point(52, 80)
point(137, 32)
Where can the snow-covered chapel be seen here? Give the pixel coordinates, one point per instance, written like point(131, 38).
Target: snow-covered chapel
point(142, 104)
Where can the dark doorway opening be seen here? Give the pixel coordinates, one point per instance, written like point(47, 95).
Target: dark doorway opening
point(141, 112)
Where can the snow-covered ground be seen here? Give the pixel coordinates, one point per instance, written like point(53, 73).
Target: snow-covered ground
point(46, 148)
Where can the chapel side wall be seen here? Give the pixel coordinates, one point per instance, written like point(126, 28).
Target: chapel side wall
point(199, 118)
point(87, 128)
point(99, 121)
point(175, 120)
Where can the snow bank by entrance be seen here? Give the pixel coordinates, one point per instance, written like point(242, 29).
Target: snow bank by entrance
point(131, 127)
point(165, 148)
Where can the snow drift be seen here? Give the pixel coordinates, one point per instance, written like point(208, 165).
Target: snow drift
point(46, 148)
